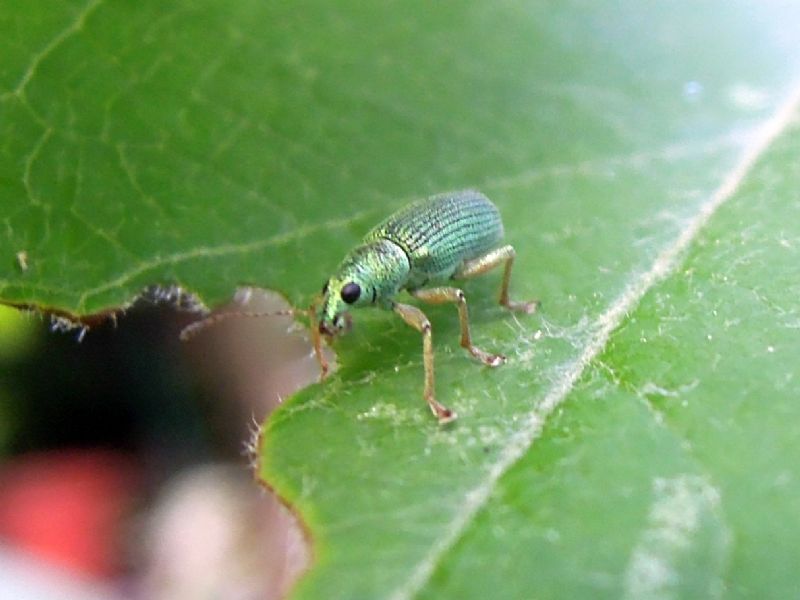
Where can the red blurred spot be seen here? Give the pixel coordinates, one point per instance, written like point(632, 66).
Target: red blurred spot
point(67, 507)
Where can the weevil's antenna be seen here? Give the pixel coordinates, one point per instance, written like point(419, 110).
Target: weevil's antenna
point(193, 329)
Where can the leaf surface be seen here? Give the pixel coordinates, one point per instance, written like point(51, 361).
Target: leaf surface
point(645, 159)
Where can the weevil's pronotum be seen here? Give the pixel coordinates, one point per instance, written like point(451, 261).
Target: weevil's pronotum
point(420, 249)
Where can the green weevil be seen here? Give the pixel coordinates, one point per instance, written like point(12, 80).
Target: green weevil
point(431, 242)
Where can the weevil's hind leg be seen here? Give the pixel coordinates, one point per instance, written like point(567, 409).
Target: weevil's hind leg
point(440, 295)
point(417, 319)
point(487, 262)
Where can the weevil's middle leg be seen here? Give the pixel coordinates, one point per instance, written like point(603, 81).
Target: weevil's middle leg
point(417, 319)
point(487, 262)
point(440, 295)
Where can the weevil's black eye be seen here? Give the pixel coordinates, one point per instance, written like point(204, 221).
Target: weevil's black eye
point(325, 288)
point(350, 292)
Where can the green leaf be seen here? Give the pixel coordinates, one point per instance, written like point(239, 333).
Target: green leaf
point(638, 443)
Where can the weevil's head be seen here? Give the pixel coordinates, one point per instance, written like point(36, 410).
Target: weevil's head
point(340, 294)
point(370, 275)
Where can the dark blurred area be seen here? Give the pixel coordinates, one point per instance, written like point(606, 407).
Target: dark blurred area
point(124, 470)
point(127, 387)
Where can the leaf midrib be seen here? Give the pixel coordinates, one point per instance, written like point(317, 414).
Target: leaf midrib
point(666, 263)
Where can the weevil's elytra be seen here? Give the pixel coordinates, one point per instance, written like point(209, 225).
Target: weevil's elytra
point(434, 241)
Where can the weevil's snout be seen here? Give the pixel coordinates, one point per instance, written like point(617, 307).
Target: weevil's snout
point(338, 294)
point(325, 329)
point(340, 324)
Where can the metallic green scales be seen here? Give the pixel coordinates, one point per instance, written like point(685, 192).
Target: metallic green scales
point(439, 233)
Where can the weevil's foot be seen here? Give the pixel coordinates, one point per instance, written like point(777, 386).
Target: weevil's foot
point(523, 307)
point(441, 412)
point(446, 416)
point(495, 360)
point(490, 360)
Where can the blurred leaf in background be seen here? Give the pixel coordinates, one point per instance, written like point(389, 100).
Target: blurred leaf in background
point(17, 342)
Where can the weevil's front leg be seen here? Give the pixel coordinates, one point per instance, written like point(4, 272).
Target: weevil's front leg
point(417, 319)
point(316, 341)
point(487, 262)
point(440, 295)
